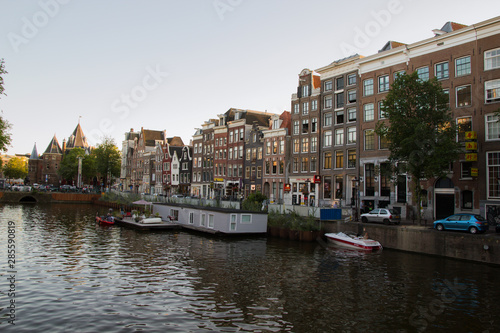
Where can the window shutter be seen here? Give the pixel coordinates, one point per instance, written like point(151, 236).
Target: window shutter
point(310, 89)
point(299, 92)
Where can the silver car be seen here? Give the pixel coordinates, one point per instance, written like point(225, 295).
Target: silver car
point(382, 215)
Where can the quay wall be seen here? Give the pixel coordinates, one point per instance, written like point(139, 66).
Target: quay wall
point(425, 240)
point(18, 197)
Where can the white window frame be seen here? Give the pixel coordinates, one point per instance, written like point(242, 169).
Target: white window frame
point(243, 218)
point(491, 119)
point(456, 66)
point(233, 222)
point(492, 59)
point(492, 86)
point(211, 219)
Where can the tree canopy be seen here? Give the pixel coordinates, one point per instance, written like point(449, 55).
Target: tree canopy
point(419, 129)
point(69, 164)
point(107, 160)
point(16, 168)
point(5, 126)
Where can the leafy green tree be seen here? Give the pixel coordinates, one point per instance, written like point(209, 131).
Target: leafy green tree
point(420, 130)
point(5, 126)
point(254, 201)
point(69, 164)
point(107, 160)
point(16, 168)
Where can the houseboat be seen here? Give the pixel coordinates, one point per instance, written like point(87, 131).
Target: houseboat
point(213, 219)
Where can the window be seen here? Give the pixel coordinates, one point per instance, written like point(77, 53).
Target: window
point(467, 199)
point(314, 125)
point(369, 140)
point(246, 218)
point(314, 144)
point(441, 70)
point(493, 167)
point(305, 91)
point(305, 126)
point(247, 172)
point(327, 139)
point(305, 108)
point(314, 105)
point(282, 146)
point(232, 222)
point(383, 143)
point(191, 217)
point(259, 153)
point(381, 113)
point(328, 102)
point(259, 172)
point(423, 73)
point(211, 220)
point(339, 83)
point(398, 73)
point(275, 167)
point(351, 135)
point(385, 179)
point(305, 162)
point(327, 187)
point(249, 152)
point(351, 96)
point(339, 159)
point(296, 127)
point(295, 145)
point(282, 167)
point(351, 114)
point(492, 59)
point(492, 91)
point(313, 164)
point(464, 124)
point(351, 159)
point(305, 145)
point(295, 164)
point(465, 172)
point(462, 66)
point(370, 179)
point(368, 87)
point(339, 100)
point(203, 219)
point(327, 119)
point(328, 85)
point(383, 83)
point(351, 79)
point(327, 160)
point(339, 136)
point(464, 96)
point(339, 117)
point(492, 127)
point(369, 112)
point(295, 110)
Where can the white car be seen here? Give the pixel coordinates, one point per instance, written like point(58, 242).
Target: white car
point(382, 215)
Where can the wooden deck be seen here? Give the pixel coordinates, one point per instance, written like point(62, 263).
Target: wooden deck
point(130, 223)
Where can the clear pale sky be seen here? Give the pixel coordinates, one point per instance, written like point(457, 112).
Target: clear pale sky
point(171, 65)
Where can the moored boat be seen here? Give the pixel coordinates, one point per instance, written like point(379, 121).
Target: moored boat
point(352, 241)
point(105, 220)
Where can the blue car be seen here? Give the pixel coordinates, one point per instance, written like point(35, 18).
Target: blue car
point(472, 223)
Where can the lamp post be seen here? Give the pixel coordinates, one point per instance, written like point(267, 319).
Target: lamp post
point(356, 198)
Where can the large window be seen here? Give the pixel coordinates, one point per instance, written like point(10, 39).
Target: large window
point(351, 114)
point(327, 119)
point(369, 179)
point(381, 113)
point(327, 139)
point(295, 164)
point(313, 164)
point(493, 167)
point(314, 105)
point(305, 108)
point(296, 127)
point(314, 144)
point(351, 158)
point(492, 59)
point(369, 140)
point(442, 71)
point(314, 125)
point(369, 112)
point(464, 124)
point(327, 160)
point(339, 117)
point(351, 96)
point(328, 102)
point(464, 97)
point(492, 91)
point(339, 136)
point(351, 79)
point(327, 187)
point(368, 87)
point(305, 162)
point(339, 159)
point(305, 126)
point(339, 100)
point(462, 66)
point(466, 172)
point(339, 83)
point(383, 83)
point(328, 85)
point(385, 179)
point(492, 127)
point(305, 145)
point(351, 135)
point(295, 110)
point(423, 73)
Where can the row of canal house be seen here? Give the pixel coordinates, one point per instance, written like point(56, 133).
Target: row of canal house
point(336, 156)
point(324, 152)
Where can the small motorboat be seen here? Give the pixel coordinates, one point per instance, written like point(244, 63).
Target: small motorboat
point(105, 220)
point(352, 241)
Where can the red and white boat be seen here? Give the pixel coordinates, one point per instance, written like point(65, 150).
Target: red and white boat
point(352, 241)
point(104, 220)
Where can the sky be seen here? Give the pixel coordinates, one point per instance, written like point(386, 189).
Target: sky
point(171, 65)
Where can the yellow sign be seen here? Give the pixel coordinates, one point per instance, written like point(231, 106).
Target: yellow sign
point(471, 145)
point(218, 179)
point(471, 135)
point(471, 157)
point(473, 172)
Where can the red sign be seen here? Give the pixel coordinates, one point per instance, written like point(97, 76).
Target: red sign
point(317, 179)
point(287, 188)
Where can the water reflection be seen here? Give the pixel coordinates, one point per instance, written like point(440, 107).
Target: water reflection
point(77, 276)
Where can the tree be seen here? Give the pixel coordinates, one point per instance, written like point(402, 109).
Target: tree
point(69, 164)
point(420, 130)
point(107, 160)
point(16, 168)
point(5, 126)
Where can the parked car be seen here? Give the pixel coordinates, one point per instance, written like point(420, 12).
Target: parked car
point(382, 215)
point(472, 223)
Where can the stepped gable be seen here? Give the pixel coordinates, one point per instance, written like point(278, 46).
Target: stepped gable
point(53, 147)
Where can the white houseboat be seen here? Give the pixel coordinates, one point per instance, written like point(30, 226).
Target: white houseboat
point(213, 219)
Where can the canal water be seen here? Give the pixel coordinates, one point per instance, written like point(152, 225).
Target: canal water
point(72, 275)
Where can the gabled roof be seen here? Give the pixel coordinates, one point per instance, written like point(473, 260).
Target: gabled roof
point(54, 147)
point(77, 139)
point(262, 118)
point(286, 116)
point(151, 136)
point(175, 141)
point(34, 153)
point(391, 45)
